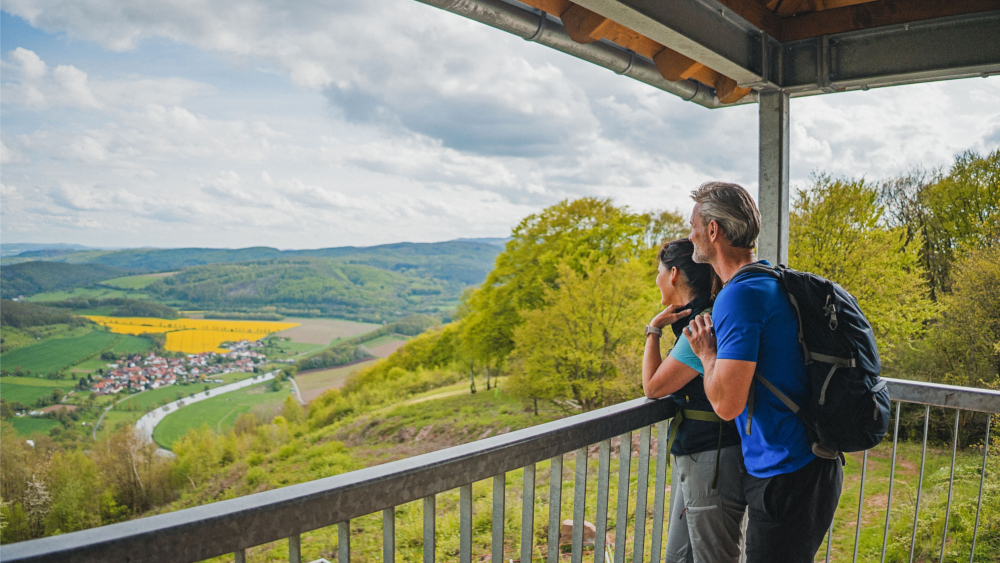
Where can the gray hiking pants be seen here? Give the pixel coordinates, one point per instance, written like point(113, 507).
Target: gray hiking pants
point(705, 523)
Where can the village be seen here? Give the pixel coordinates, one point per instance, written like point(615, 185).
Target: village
point(150, 371)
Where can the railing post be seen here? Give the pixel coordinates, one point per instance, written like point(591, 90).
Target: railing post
point(555, 508)
point(579, 504)
point(982, 479)
point(430, 533)
point(861, 505)
point(659, 494)
point(499, 489)
point(240, 556)
point(920, 482)
point(465, 526)
point(603, 483)
point(528, 514)
point(295, 549)
point(389, 535)
point(641, 489)
point(951, 485)
point(621, 518)
point(892, 475)
point(344, 542)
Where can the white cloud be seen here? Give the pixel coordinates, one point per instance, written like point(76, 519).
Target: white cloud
point(31, 66)
point(434, 127)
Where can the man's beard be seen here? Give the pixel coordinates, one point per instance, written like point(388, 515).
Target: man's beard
point(700, 256)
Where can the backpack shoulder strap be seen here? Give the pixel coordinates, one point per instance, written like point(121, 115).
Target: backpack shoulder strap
point(792, 405)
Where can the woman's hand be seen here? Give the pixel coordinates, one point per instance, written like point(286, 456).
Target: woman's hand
point(669, 316)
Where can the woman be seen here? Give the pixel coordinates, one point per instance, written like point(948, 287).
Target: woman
point(706, 499)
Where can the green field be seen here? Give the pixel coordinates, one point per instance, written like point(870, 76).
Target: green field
point(16, 338)
point(28, 425)
point(220, 412)
point(83, 292)
point(56, 353)
point(129, 344)
point(383, 340)
point(27, 390)
point(132, 282)
point(162, 395)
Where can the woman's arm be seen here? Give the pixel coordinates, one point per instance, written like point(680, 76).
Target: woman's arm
point(662, 377)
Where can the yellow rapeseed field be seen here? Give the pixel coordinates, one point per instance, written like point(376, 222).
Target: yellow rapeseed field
point(193, 336)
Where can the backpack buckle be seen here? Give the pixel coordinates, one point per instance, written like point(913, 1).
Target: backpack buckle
point(830, 310)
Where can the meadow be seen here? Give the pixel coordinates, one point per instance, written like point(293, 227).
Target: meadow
point(28, 425)
point(88, 292)
point(54, 354)
point(136, 282)
point(220, 413)
point(193, 336)
point(27, 390)
point(148, 400)
point(312, 383)
point(324, 331)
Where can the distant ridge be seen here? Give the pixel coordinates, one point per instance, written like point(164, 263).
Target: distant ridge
point(13, 249)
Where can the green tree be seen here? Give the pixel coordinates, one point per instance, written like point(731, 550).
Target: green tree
point(949, 214)
point(570, 348)
point(963, 346)
point(837, 230)
point(571, 233)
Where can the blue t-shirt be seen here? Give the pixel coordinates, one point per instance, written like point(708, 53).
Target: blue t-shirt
point(754, 322)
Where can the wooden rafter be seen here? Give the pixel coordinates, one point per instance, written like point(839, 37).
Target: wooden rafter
point(586, 26)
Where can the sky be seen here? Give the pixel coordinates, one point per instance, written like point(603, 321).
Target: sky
point(169, 123)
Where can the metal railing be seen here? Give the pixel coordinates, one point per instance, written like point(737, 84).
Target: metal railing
point(233, 526)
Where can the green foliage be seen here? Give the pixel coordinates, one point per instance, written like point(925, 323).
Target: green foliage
point(57, 353)
point(22, 315)
point(951, 215)
point(963, 346)
point(573, 346)
point(837, 230)
point(138, 308)
point(30, 278)
point(573, 233)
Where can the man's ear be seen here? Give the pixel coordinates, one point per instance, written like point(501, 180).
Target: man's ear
point(713, 230)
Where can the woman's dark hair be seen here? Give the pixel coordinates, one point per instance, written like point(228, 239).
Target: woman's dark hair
point(701, 278)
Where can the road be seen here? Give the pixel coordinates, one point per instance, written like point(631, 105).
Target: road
point(148, 422)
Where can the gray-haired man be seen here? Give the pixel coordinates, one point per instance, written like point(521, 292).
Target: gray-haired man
point(791, 494)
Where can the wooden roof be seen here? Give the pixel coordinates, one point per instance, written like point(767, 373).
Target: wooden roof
point(781, 20)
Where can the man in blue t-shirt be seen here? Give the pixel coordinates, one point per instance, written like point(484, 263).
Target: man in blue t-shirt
point(791, 494)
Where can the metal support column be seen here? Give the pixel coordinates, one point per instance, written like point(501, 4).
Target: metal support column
point(773, 177)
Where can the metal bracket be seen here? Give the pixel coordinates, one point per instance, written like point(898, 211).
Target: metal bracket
point(824, 76)
point(764, 80)
point(542, 19)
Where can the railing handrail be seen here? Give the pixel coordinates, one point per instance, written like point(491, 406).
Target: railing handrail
point(215, 529)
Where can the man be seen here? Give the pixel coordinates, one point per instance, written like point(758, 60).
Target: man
point(791, 494)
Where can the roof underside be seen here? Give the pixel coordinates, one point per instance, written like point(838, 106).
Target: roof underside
point(718, 52)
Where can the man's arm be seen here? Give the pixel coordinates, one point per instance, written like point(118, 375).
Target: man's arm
point(727, 382)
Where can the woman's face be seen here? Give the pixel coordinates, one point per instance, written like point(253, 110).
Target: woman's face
point(663, 282)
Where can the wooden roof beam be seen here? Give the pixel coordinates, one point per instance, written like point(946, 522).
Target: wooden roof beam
point(585, 26)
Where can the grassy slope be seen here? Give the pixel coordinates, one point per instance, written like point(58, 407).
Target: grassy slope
point(219, 412)
point(27, 390)
point(26, 425)
point(83, 292)
point(56, 353)
point(132, 282)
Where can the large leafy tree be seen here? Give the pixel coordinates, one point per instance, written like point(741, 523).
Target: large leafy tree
point(950, 215)
point(570, 234)
point(837, 229)
point(571, 347)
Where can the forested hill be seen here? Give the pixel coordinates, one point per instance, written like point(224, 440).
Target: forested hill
point(29, 278)
point(327, 286)
point(464, 261)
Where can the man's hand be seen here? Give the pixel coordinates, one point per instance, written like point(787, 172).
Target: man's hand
point(669, 316)
point(701, 337)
